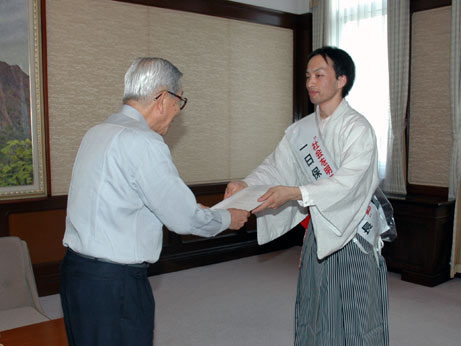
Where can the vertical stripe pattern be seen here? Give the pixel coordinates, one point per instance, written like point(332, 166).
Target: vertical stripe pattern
point(342, 300)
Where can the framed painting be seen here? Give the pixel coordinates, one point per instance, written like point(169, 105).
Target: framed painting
point(22, 134)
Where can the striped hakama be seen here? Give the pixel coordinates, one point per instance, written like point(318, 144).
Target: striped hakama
point(341, 300)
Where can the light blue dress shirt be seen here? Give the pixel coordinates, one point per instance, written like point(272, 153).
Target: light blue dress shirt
point(124, 188)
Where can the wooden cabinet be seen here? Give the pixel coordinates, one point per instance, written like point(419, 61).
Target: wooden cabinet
point(422, 250)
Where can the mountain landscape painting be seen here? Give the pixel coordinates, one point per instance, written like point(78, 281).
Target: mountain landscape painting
point(22, 145)
point(15, 130)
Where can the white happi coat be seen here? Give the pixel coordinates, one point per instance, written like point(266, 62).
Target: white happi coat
point(337, 204)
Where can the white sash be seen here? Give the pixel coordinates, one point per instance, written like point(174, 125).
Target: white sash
point(315, 162)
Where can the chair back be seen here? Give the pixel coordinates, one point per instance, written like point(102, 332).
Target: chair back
point(17, 282)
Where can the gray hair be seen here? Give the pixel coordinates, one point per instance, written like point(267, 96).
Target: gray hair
point(146, 76)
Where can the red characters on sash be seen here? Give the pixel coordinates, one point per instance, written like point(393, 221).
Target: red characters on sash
point(318, 152)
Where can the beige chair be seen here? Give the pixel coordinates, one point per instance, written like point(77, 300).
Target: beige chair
point(19, 303)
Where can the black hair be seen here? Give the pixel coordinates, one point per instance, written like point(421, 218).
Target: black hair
point(342, 64)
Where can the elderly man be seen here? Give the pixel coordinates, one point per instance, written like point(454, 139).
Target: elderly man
point(328, 162)
point(124, 188)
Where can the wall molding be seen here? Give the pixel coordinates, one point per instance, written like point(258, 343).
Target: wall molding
point(423, 5)
point(300, 24)
point(226, 9)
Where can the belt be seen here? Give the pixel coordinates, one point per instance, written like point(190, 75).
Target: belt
point(135, 265)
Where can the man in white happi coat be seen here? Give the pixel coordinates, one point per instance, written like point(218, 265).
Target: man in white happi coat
point(342, 285)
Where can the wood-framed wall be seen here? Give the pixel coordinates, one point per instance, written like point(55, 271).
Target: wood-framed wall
point(41, 222)
point(413, 189)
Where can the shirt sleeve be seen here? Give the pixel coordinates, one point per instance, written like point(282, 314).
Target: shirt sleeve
point(167, 196)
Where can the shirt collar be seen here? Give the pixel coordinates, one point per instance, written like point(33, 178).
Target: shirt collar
point(133, 113)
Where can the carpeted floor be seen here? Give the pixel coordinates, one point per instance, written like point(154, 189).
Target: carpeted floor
point(250, 302)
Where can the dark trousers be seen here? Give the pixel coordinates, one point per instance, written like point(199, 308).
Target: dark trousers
point(106, 304)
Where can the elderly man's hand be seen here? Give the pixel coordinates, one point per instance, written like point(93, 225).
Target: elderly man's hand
point(234, 187)
point(277, 196)
point(238, 218)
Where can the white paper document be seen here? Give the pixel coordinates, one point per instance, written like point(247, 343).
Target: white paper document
point(246, 199)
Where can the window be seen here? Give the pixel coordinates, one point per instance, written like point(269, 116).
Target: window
point(360, 28)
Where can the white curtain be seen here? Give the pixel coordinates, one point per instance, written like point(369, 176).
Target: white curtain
point(399, 55)
point(455, 89)
point(320, 23)
point(360, 28)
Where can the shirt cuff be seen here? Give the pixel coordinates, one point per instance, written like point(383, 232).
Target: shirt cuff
point(306, 201)
point(225, 218)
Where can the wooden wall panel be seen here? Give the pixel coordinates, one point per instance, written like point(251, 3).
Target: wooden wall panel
point(43, 232)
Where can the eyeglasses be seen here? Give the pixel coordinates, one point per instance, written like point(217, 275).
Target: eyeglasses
point(183, 100)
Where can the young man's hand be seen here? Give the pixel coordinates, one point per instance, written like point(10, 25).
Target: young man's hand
point(234, 187)
point(277, 196)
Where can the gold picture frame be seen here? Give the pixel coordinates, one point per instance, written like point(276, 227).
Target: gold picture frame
point(22, 158)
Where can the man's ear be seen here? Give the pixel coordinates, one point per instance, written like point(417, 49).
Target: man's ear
point(160, 103)
point(342, 80)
